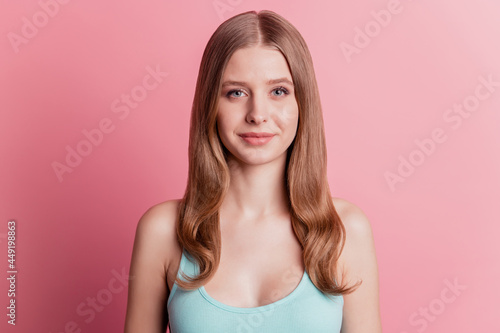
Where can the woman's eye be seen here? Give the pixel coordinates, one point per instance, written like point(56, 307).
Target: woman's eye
point(235, 93)
point(280, 91)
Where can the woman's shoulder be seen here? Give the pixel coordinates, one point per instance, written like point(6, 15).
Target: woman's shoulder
point(156, 230)
point(160, 218)
point(352, 216)
point(161, 213)
point(358, 254)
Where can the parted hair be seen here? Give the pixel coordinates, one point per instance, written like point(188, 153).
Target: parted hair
point(315, 221)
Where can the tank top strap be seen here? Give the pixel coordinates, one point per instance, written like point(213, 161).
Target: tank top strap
point(187, 266)
point(190, 267)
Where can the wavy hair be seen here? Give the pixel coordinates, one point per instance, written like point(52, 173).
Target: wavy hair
point(314, 219)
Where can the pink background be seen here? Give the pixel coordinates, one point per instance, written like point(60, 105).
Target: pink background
point(438, 223)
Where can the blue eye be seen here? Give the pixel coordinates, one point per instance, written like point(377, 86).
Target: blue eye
point(235, 93)
point(281, 91)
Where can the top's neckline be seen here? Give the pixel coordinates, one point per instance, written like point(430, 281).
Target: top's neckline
point(261, 308)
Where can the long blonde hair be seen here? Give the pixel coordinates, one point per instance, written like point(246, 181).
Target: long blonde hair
point(314, 219)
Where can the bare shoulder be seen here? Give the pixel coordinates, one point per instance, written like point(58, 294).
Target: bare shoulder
point(359, 244)
point(353, 217)
point(154, 247)
point(156, 229)
point(160, 217)
point(358, 262)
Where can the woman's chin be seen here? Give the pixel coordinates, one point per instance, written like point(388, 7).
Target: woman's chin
point(257, 159)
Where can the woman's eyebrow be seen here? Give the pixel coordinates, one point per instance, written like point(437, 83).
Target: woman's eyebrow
point(233, 83)
point(280, 80)
point(274, 81)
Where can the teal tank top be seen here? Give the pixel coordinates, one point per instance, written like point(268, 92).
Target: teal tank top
point(305, 309)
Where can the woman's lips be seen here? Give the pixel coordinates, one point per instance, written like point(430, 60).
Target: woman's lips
point(257, 139)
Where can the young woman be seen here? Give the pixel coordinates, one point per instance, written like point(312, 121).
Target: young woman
point(257, 243)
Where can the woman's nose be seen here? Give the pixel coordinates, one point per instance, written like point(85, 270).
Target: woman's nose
point(258, 110)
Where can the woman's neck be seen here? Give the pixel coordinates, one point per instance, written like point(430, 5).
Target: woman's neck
point(256, 191)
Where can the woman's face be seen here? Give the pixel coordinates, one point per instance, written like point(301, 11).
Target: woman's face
point(257, 113)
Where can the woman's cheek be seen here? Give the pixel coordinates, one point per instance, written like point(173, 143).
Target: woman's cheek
point(287, 117)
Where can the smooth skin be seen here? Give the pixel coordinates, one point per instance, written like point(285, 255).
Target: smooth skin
point(261, 259)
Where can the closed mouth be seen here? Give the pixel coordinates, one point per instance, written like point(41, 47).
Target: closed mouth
point(256, 135)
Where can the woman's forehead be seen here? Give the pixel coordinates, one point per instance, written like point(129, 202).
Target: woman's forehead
point(256, 63)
